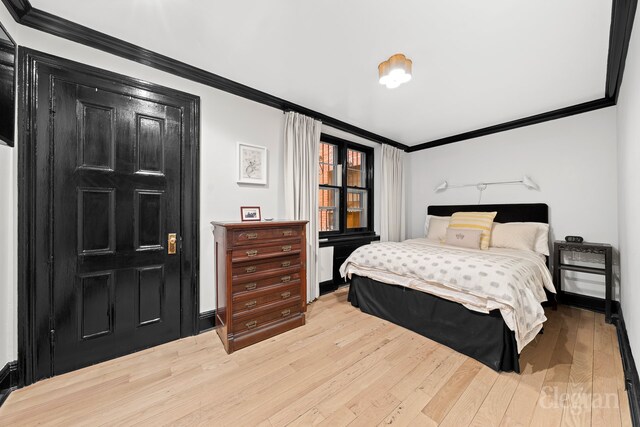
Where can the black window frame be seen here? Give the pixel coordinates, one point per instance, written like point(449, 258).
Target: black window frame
point(342, 146)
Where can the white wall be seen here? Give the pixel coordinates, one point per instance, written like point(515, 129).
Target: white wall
point(628, 193)
point(572, 159)
point(8, 242)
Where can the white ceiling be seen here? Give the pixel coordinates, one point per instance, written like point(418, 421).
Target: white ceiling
point(476, 63)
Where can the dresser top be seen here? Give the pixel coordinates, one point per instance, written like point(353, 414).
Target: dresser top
point(257, 224)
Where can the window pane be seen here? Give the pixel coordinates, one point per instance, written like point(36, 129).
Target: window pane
point(356, 208)
point(328, 202)
point(329, 168)
point(356, 171)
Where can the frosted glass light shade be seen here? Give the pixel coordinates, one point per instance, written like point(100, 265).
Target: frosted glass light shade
point(395, 71)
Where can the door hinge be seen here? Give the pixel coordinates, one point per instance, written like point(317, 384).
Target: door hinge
point(52, 337)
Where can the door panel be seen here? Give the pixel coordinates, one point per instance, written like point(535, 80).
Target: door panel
point(115, 289)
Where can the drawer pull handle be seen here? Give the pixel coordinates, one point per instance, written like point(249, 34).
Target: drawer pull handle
point(285, 295)
point(287, 233)
point(285, 279)
point(251, 304)
point(286, 264)
point(286, 312)
point(251, 286)
point(251, 236)
point(286, 248)
point(251, 324)
point(251, 269)
point(252, 252)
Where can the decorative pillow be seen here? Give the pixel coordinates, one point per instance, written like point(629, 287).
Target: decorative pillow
point(437, 227)
point(540, 241)
point(475, 220)
point(514, 236)
point(464, 237)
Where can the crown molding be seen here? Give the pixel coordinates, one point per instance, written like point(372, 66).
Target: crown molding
point(514, 124)
point(622, 16)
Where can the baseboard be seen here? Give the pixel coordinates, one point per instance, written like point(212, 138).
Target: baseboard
point(8, 380)
point(207, 321)
point(631, 379)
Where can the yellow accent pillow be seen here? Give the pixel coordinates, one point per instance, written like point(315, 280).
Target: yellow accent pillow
point(475, 220)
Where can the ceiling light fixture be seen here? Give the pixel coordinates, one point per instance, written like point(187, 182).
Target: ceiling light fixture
point(395, 71)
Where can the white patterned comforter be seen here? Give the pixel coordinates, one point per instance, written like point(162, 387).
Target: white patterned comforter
point(508, 280)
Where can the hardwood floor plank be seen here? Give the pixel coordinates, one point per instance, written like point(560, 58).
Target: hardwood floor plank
point(577, 411)
point(345, 378)
point(439, 406)
point(605, 408)
point(380, 388)
point(341, 417)
point(375, 411)
point(464, 410)
point(533, 364)
point(408, 409)
point(550, 404)
point(495, 404)
point(312, 417)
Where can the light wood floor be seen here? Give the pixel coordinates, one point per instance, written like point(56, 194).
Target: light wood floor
point(343, 367)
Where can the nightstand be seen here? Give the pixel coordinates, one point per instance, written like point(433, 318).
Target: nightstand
point(593, 248)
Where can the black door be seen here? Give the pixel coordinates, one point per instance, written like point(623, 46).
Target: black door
point(116, 198)
point(111, 157)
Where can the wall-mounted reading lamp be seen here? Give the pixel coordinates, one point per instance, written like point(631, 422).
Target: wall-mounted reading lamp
point(481, 186)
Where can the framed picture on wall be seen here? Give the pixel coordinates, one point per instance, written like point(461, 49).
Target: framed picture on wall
point(250, 213)
point(252, 164)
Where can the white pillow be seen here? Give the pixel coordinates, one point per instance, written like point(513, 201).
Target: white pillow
point(436, 227)
point(532, 236)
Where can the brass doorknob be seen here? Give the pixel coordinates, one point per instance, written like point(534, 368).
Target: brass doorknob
point(172, 243)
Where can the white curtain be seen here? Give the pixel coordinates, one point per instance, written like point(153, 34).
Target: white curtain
point(301, 166)
point(392, 210)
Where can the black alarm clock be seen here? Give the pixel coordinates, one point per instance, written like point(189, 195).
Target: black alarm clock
point(574, 239)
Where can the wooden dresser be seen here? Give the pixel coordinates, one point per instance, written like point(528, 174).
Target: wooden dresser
point(261, 282)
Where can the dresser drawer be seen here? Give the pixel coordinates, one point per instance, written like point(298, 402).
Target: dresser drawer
point(256, 300)
point(261, 252)
point(291, 277)
point(252, 322)
point(260, 266)
point(247, 237)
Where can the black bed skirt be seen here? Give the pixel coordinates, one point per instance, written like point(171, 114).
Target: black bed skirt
point(484, 337)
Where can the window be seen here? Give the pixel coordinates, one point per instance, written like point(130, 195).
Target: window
point(346, 186)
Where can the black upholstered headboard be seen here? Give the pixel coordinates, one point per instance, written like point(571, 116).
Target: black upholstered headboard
point(517, 212)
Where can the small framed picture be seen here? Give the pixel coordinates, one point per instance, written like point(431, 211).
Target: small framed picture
point(250, 213)
point(252, 164)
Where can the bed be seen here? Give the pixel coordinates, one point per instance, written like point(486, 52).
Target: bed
point(494, 335)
